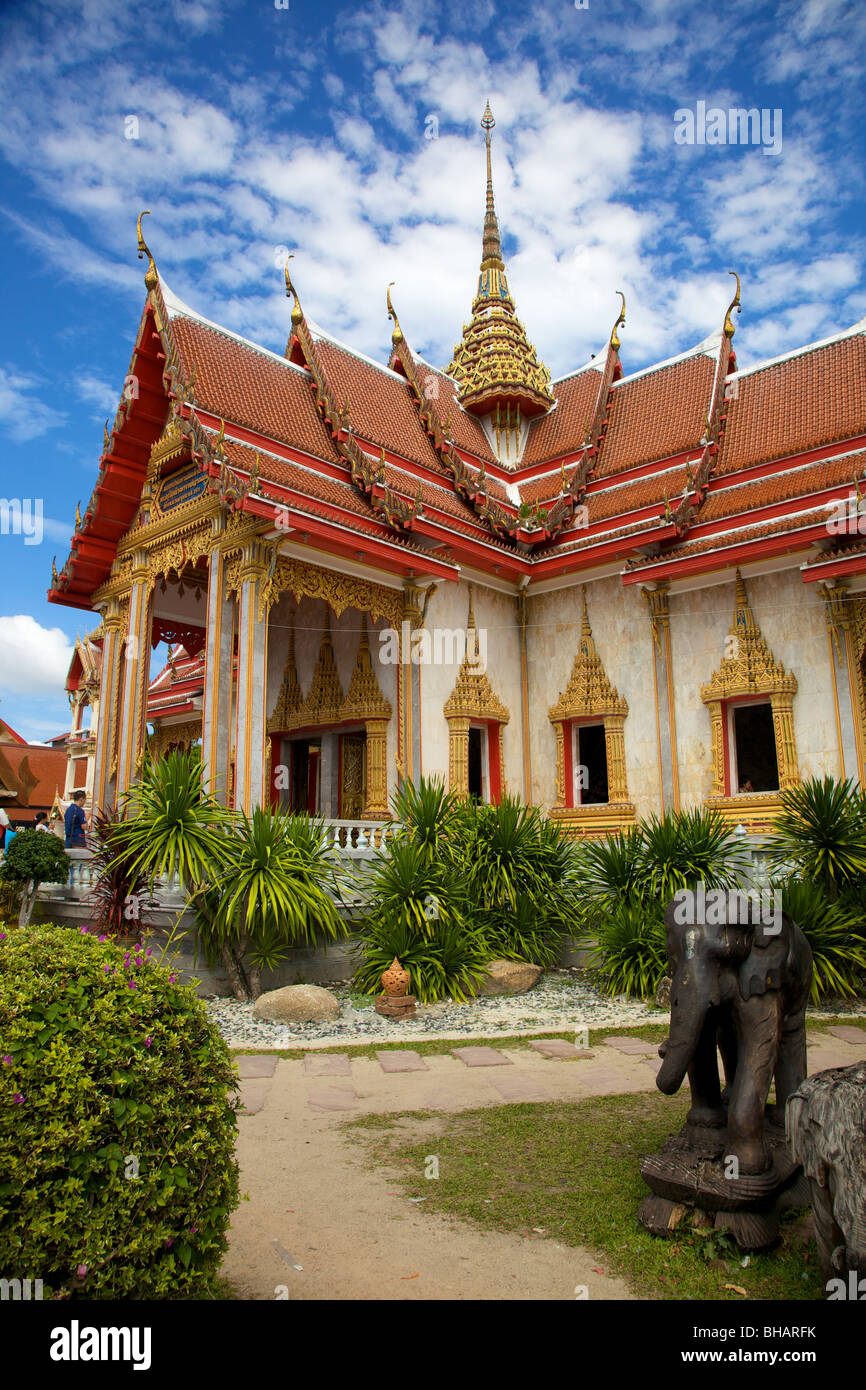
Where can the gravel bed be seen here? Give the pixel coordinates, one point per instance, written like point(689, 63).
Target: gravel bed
point(562, 1001)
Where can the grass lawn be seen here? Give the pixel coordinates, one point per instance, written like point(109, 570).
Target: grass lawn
point(570, 1172)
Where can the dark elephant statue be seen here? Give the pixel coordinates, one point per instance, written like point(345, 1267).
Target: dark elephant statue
point(740, 985)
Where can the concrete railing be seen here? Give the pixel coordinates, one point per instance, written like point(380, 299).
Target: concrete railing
point(352, 841)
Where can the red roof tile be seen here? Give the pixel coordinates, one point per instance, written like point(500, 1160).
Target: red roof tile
point(788, 407)
point(563, 429)
point(658, 414)
point(253, 389)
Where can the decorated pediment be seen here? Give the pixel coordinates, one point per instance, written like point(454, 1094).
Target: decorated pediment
point(748, 666)
point(473, 697)
point(589, 692)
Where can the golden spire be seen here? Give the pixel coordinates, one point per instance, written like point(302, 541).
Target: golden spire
point(150, 276)
point(494, 364)
point(734, 304)
point(614, 337)
point(470, 621)
point(491, 247)
point(78, 516)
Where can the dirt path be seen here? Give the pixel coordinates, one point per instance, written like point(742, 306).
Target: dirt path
point(311, 1191)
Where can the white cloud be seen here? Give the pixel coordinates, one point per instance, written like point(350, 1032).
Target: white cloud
point(22, 415)
point(35, 658)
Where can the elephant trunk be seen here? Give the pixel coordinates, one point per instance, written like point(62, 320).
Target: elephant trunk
point(689, 1006)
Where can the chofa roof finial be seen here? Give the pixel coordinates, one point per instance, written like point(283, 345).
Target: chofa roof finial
point(151, 277)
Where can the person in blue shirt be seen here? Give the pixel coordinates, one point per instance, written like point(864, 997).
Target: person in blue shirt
point(74, 822)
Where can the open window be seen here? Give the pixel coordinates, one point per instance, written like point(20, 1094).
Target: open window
point(754, 766)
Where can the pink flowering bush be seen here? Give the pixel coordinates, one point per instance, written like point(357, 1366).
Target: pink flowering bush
point(117, 1122)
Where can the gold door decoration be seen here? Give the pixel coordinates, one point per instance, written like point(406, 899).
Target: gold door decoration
point(325, 705)
point(589, 694)
point(182, 736)
point(353, 778)
point(473, 697)
point(751, 669)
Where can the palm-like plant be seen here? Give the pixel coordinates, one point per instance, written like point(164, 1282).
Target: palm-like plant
point(820, 835)
point(836, 932)
point(171, 825)
point(630, 953)
point(425, 812)
point(611, 871)
point(688, 847)
point(276, 889)
point(408, 886)
point(117, 882)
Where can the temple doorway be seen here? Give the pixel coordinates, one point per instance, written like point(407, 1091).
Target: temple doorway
point(304, 775)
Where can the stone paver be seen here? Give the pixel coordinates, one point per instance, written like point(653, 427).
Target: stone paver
point(481, 1057)
point(632, 1047)
point(333, 1098)
point(253, 1094)
point(264, 1065)
point(401, 1061)
point(332, 1064)
point(654, 1062)
point(849, 1034)
point(518, 1085)
point(558, 1047)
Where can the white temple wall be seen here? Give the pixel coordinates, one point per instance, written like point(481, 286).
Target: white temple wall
point(791, 618)
point(621, 631)
point(496, 616)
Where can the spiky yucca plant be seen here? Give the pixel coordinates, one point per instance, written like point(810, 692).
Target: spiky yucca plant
point(820, 835)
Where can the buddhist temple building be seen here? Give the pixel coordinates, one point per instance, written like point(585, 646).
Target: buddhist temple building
point(613, 594)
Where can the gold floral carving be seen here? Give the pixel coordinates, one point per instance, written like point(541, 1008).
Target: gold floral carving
point(166, 736)
point(751, 669)
point(325, 697)
point(364, 699)
point(290, 698)
point(589, 692)
point(473, 697)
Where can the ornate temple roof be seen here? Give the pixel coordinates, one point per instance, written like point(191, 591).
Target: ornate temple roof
point(494, 364)
point(670, 469)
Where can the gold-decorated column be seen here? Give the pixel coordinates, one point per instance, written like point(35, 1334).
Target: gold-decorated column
point(134, 675)
point(786, 748)
point(113, 626)
point(614, 738)
point(717, 746)
point(458, 755)
point(252, 678)
point(217, 706)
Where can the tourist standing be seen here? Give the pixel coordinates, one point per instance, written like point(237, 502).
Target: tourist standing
point(4, 827)
point(74, 822)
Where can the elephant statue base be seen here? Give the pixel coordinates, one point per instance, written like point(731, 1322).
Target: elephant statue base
point(740, 982)
point(693, 1183)
point(826, 1123)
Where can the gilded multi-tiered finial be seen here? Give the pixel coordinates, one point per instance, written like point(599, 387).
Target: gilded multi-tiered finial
point(494, 364)
point(734, 304)
point(151, 278)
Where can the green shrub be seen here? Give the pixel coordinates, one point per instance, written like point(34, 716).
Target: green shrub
point(108, 1065)
point(836, 932)
point(630, 955)
point(820, 835)
point(449, 962)
point(33, 858)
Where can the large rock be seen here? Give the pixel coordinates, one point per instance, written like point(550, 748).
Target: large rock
point(297, 1004)
point(509, 977)
point(663, 994)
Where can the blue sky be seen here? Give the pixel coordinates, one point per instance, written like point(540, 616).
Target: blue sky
point(309, 127)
